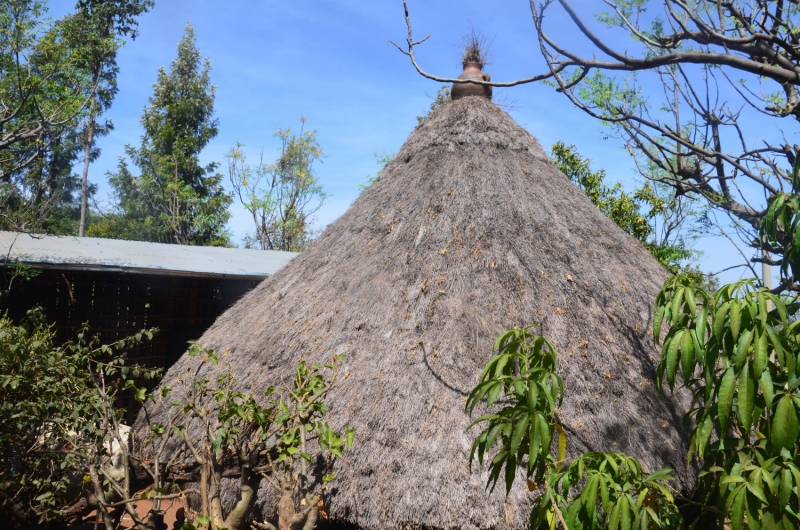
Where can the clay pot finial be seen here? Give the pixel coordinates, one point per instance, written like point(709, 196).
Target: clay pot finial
point(472, 70)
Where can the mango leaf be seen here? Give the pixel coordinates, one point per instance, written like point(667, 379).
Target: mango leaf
point(562, 445)
point(719, 320)
point(785, 424)
point(746, 397)
point(725, 400)
point(672, 358)
point(519, 430)
point(687, 354)
point(737, 510)
point(735, 319)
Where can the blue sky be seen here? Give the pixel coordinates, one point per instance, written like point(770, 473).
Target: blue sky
point(329, 60)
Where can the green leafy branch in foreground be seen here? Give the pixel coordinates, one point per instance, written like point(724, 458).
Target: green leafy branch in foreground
point(616, 492)
point(522, 379)
point(627, 496)
point(740, 357)
point(57, 417)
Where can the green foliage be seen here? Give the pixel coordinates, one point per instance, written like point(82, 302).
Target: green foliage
point(620, 207)
point(740, 358)
point(45, 84)
point(522, 378)
point(175, 199)
point(49, 410)
point(779, 228)
point(105, 21)
point(44, 81)
point(281, 197)
point(653, 214)
point(281, 424)
point(442, 98)
point(382, 159)
point(614, 493)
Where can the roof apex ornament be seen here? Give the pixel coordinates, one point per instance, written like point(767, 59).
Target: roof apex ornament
point(472, 70)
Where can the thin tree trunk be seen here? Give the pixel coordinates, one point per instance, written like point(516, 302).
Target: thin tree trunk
point(87, 150)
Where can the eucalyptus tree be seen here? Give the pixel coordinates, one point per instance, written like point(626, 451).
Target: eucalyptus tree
point(175, 198)
point(107, 23)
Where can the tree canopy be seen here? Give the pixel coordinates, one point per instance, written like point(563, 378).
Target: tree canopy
point(174, 198)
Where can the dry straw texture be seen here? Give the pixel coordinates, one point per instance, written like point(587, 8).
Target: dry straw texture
point(469, 231)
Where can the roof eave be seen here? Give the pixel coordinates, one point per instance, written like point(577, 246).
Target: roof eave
point(122, 269)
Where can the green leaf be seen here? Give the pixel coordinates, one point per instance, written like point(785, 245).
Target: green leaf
point(725, 400)
point(519, 430)
point(493, 393)
point(760, 354)
point(687, 354)
point(776, 343)
point(657, 322)
point(328, 478)
point(350, 435)
point(213, 357)
point(672, 357)
point(690, 301)
point(785, 424)
point(613, 520)
point(700, 325)
point(535, 442)
point(746, 397)
point(752, 506)
point(767, 388)
point(785, 489)
point(562, 445)
point(742, 347)
point(624, 513)
point(735, 319)
point(677, 300)
point(719, 320)
point(589, 495)
point(511, 469)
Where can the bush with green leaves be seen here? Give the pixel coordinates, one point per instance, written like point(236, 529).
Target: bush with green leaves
point(736, 349)
point(522, 379)
point(224, 432)
point(738, 352)
point(615, 493)
point(52, 411)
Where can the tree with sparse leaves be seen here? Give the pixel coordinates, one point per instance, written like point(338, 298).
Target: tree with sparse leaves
point(281, 197)
point(46, 89)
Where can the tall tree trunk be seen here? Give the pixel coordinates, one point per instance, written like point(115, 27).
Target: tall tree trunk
point(87, 150)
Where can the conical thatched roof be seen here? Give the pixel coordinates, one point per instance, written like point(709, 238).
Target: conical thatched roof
point(469, 231)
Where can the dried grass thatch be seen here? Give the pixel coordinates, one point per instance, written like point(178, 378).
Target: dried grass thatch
point(469, 231)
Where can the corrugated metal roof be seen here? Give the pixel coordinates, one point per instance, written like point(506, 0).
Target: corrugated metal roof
point(87, 253)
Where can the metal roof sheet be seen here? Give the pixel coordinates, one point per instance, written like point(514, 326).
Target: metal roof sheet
point(87, 253)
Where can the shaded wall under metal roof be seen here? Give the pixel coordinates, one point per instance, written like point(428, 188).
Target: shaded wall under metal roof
point(114, 255)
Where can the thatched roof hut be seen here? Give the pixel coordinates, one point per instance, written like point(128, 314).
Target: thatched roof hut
point(469, 231)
